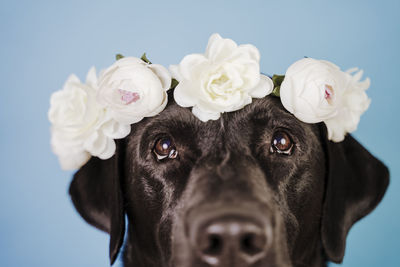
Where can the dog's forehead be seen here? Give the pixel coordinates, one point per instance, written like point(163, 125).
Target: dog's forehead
point(268, 108)
point(262, 115)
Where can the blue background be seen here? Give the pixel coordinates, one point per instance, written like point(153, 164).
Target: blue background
point(42, 42)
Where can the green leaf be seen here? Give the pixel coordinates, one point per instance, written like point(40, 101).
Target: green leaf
point(174, 83)
point(278, 79)
point(277, 91)
point(145, 59)
point(118, 56)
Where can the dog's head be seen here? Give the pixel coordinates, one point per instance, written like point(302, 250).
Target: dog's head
point(257, 187)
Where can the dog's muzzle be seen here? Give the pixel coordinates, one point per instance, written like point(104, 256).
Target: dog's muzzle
point(229, 236)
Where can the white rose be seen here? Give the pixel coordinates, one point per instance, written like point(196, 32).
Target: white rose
point(132, 89)
point(224, 79)
point(317, 90)
point(354, 103)
point(80, 126)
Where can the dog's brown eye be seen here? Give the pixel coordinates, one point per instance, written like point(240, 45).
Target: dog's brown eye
point(165, 148)
point(281, 143)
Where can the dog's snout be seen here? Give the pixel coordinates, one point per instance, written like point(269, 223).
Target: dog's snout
point(229, 237)
point(232, 239)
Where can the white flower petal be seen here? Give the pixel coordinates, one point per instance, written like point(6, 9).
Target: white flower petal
point(287, 94)
point(221, 80)
point(146, 83)
point(264, 87)
point(364, 85)
point(205, 116)
point(73, 161)
point(214, 38)
point(81, 127)
point(124, 118)
point(352, 70)
point(336, 131)
point(251, 51)
point(189, 64)
point(116, 130)
point(160, 107)
point(163, 74)
point(128, 61)
point(76, 119)
point(174, 70)
point(219, 49)
point(91, 77)
point(184, 94)
point(71, 79)
point(317, 90)
point(109, 150)
point(358, 75)
point(95, 143)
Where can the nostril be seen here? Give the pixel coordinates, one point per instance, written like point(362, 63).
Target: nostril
point(252, 244)
point(230, 239)
point(214, 245)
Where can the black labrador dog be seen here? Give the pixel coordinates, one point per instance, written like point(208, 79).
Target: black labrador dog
point(257, 187)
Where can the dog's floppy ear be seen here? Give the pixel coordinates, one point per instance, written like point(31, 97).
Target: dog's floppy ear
point(96, 193)
point(356, 183)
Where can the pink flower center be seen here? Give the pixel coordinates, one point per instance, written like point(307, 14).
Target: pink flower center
point(328, 93)
point(128, 97)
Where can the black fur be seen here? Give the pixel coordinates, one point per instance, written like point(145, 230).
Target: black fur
point(312, 197)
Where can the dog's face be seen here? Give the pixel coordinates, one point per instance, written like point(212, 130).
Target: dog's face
point(255, 188)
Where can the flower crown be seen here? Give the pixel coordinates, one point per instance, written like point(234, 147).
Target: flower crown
point(87, 117)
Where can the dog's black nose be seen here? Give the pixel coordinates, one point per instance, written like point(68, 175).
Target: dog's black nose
point(231, 240)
